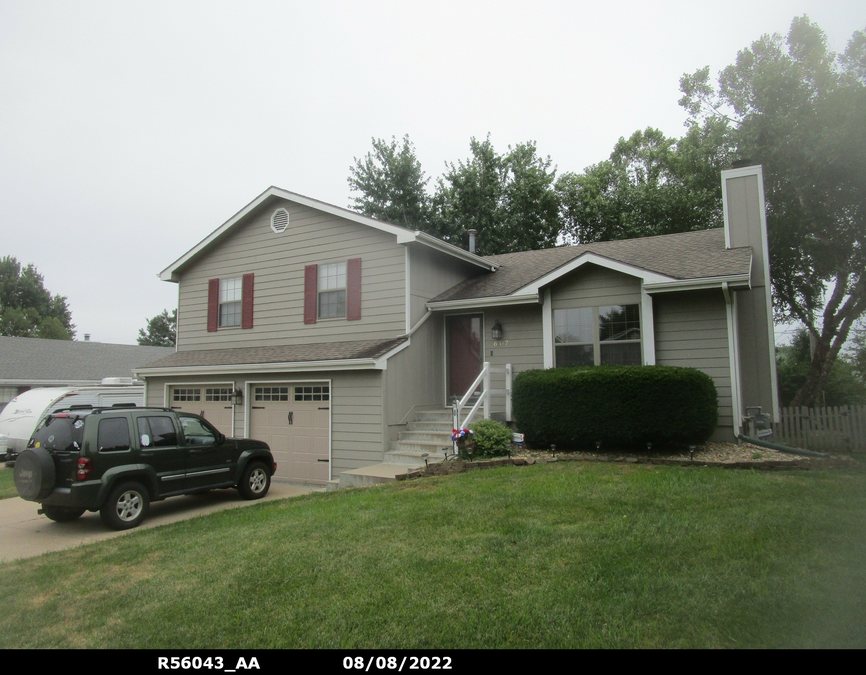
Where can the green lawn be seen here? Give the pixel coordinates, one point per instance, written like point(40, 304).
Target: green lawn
point(7, 483)
point(563, 556)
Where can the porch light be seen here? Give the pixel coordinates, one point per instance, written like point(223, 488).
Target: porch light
point(496, 331)
point(238, 396)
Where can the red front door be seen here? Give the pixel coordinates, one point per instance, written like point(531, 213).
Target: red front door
point(464, 357)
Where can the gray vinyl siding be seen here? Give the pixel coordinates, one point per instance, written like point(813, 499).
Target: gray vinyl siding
point(432, 273)
point(415, 378)
point(593, 286)
point(357, 413)
point(278, 262)
point(521, 345)
point(522, 340)
point(691, 330)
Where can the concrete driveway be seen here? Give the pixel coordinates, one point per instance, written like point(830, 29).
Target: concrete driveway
point(24, 533)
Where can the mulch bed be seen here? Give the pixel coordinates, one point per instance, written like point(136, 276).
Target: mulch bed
point(722, 455)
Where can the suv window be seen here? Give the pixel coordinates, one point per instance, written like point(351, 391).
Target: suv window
point(156, 432)
point(113, 435)
point(196, 431)
point(59, 433)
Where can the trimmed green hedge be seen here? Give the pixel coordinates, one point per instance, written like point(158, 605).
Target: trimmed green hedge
point(621, 406)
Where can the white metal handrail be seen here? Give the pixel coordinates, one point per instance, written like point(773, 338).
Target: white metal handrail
point(483, 380)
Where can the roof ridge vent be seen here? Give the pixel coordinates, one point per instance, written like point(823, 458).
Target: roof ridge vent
point(280, 220)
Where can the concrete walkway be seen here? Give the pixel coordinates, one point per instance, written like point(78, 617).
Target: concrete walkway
point(24, 533)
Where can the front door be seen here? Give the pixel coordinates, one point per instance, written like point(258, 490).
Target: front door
point(464, 351)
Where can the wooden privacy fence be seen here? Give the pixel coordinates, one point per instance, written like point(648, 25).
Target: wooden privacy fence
point(839, 428)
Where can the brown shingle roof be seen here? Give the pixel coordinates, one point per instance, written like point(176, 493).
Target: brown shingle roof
point(327, 351)
point(688, 255)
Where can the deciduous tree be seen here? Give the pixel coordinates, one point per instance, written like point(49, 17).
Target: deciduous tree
point(391, 184)
point(650, 185)
point(27, 309)
point(799, 110)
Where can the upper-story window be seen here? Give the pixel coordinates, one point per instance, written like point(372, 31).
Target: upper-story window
point(230, 302)
point(332, 290)
point(587, 336)
point(231, 296)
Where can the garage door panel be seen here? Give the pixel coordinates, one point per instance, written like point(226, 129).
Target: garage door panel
point(212, 403)
point(296, 430)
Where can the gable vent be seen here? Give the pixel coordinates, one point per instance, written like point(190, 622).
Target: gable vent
point(280, 220)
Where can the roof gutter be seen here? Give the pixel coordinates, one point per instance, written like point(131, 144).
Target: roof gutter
point(493, 301)
point(241, 368)
point(730, 281)
point(450, 249)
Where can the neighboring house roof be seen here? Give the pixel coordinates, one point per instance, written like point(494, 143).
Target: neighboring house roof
point(404, 235)
point(357, 353)
point(36, 361)
point(685, 256)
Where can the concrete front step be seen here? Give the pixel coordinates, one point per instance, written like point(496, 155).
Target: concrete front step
point(443, 426)
point(433, 416)
point(439, 436)
point(433, 447)
point(413, 457)
point(373, 475)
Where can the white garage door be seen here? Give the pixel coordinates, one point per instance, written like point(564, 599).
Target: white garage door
point(214, 403)
point(294, 420)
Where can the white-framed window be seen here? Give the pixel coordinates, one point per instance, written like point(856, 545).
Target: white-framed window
point(608, 334)
point(313, 393)
point(332, 290)
point(231, 294)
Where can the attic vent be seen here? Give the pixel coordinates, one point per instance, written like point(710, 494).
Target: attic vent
point(280, 220)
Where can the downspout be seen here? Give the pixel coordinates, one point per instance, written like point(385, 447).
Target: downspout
point(734, 356)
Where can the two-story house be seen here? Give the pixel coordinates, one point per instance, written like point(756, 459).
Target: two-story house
point(322, 331)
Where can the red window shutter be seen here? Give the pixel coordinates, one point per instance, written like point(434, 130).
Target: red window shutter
point(353, 289)
point(213, 305)
point(247, 302)
point(311, 296)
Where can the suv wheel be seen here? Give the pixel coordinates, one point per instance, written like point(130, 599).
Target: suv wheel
point(62, 514)
point(255, 482)
point(125, 507)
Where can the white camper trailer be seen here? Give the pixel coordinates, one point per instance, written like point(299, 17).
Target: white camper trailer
point(22, 414)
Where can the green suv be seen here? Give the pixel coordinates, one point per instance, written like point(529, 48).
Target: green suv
point(118, 460)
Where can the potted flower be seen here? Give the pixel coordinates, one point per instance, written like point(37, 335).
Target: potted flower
point(464, 439)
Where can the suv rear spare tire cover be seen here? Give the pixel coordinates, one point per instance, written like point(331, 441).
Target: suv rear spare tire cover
point(34, 474)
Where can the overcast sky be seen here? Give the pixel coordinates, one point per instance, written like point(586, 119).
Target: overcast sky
point(130, 130)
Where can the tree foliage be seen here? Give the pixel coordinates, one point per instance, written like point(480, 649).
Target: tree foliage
point(161, 330)
point(845, 386)
point(650, 185)
point(507, 199)
point(27, 309)
point(799, 110)
point(391, 184)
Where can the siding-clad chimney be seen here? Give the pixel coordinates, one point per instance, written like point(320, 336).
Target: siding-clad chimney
point(751, 311)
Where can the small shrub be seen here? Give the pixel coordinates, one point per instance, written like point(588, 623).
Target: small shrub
point(492, 438)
